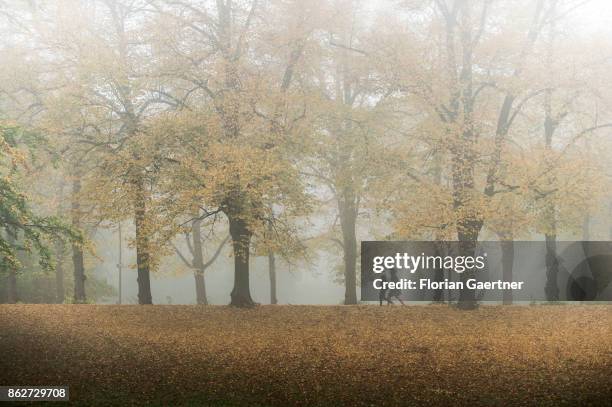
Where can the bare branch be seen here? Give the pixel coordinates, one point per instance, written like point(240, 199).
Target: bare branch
point(217, 252)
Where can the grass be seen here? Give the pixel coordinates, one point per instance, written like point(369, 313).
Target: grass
point(171, 355)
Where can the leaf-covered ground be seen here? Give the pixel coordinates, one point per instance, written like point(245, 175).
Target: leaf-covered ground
point(311, 355)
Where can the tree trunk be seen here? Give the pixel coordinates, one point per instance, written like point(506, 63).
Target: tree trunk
point(464, 159)
point(438, 295)
point(507, 247)
point(552, 264)
point(120, 264)
point(550, 124)
point(467, 247)
point(200, 286)
point(469, 223)
point(586, 227)
point(142, 244)
point(11, 278)
point(241, 242)
point(272, 272)
point(198, 264)
point(60, 292)
point(11, 286)
point(552, 268)
point(609, 219)
point(77, 249)
point(348, 222)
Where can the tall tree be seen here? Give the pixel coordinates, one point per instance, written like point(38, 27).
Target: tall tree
point(458, 93)
point(104, 76)
point(215, 58)
point(346, 152)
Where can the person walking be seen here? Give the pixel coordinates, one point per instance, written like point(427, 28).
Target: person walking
point(394, 292)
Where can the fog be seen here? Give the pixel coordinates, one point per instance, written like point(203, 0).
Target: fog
point(303, 283)
point(298, 129)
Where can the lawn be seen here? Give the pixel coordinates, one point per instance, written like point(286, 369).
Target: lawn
point(171, 355)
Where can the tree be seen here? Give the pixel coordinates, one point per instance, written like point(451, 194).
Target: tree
point(22, 229)
point(346, 153)
point(105, 80)
point(195, 246)
point(457, 94)
point(245, 163)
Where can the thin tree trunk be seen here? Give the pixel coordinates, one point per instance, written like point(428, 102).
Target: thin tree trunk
point(507, 246)
point(60, 251)
point(60, 292)
point(438, 295)
point(77, 249)
point(198, 263)
point(586, 227)
point(120, 264)
point(552, 264)
point(11, 287)
point(550, 124)
point(610, 220)
point(142, 245)
point(272, 272)
point(11, 278)
point(241, 241)
point(38, 292)
point(348, 222)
